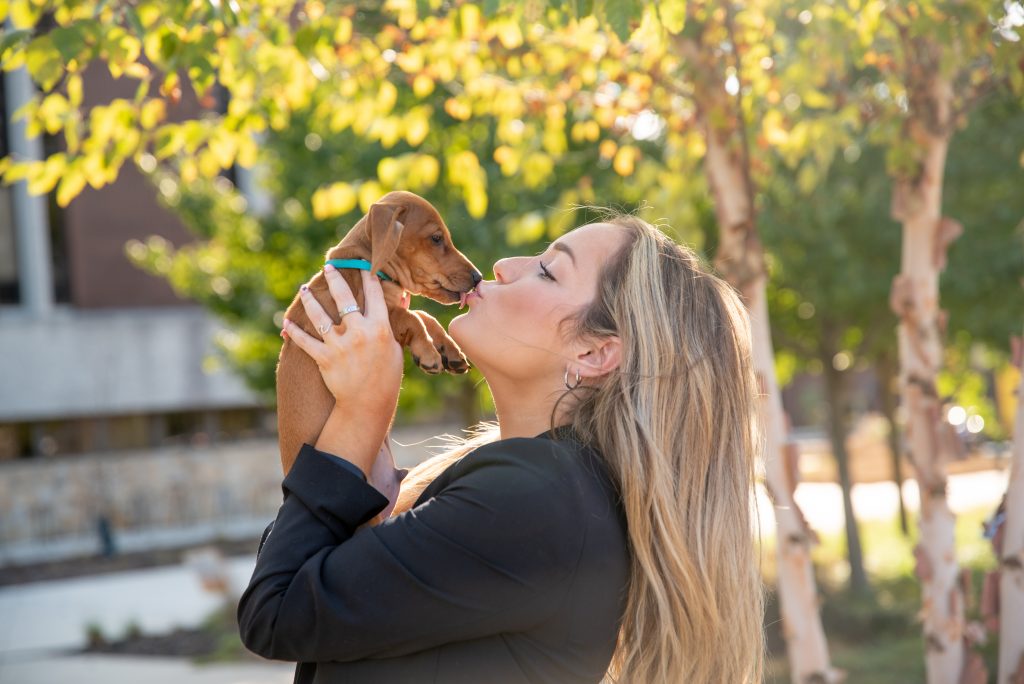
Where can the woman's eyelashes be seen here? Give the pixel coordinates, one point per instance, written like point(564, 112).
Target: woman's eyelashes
point(545, 273)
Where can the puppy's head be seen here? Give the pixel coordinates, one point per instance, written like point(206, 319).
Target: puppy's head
point(410, 242)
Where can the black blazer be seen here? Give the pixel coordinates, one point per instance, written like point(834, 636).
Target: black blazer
point(512, 566)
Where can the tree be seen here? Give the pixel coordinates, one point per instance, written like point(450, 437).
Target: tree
point(925, 65)
point(833, 252)
point(1011, 596)
point(337, 107)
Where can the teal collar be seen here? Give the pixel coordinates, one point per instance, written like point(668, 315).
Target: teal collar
point(361, 264)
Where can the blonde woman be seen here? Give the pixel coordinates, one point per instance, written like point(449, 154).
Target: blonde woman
point(601, 530)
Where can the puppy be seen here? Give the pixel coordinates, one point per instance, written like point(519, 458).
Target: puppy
point(404, 237)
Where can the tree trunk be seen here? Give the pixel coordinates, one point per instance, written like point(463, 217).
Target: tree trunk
point(931, 442)
point(1011, 561)
point(740, 258)
point(837, 391)
point(886, 376)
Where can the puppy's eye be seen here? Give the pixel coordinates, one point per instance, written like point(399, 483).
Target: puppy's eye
point(437, 239)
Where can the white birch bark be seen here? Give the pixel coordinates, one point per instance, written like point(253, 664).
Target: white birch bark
point(740, 259)
point(930, 440)
point(1011, 561)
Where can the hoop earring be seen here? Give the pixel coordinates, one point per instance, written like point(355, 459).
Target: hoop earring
point(567, 385)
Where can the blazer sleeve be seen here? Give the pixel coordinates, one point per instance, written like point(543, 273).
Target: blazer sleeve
point(485, 555)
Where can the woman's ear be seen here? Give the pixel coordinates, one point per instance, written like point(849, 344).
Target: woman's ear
point(600, 357)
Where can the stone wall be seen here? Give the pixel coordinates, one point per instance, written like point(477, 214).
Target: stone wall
point(51, 507)
point(173, 496)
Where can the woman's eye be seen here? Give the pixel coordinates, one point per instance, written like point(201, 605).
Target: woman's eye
point(545, 273)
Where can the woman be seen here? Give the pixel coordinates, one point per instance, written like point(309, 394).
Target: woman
point(602, 529)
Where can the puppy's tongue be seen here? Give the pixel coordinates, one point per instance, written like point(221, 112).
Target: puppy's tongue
point(462, 300)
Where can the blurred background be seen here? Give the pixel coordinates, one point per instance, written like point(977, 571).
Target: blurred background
point(174, 171)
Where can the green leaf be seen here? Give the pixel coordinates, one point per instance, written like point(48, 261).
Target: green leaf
point(491, 8)
point(620, 15)
point(12, 38)
point(69, 41)
point(43, 62)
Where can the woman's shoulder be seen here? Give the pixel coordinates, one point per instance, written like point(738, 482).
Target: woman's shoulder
point(557, 457)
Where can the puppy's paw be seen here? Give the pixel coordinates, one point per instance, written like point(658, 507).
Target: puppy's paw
point(453, 360)
point(431, 363)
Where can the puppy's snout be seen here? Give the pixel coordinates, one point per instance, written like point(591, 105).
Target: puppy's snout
point(477, 277)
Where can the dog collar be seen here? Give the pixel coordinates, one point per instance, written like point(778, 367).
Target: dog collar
point(361, 264)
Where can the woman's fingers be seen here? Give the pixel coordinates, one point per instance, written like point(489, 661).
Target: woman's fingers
point(317, 316)
point(340, 290)
point(304, 340)
point(373, 297)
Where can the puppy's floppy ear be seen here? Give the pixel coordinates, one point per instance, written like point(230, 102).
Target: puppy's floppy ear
point(385, 232)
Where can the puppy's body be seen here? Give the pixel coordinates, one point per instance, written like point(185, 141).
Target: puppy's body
point(404, 237)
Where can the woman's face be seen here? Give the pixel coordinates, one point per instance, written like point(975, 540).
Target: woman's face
point(512, 327)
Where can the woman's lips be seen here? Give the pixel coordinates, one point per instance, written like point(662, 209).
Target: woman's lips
point(465, 297)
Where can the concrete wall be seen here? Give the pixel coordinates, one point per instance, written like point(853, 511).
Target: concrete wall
point(77, 362)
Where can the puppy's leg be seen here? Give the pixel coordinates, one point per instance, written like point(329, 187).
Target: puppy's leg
point(410, 332)
point(451, 356)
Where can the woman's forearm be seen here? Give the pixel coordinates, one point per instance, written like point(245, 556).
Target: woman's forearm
point(355, 434)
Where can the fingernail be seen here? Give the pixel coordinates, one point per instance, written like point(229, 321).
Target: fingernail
point(328, 267)
point(286, 323)
point(284, 334)
point(304, 288)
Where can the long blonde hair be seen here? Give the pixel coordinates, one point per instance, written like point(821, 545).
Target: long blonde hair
point(677, 425)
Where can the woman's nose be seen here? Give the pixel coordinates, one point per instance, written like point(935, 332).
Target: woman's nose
point(500, 272)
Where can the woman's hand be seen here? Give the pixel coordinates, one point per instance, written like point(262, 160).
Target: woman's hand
point(361, 364)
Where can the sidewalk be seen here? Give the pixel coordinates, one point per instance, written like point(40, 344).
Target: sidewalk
point(87, 669)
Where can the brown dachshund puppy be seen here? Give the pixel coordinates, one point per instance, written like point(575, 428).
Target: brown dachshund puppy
point(404, 237)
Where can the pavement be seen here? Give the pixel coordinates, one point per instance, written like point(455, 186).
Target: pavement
point(43, 622)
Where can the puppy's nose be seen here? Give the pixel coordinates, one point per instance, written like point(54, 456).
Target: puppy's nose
point(477, 277)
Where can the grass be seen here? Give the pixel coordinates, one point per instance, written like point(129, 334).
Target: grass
point(877, 639)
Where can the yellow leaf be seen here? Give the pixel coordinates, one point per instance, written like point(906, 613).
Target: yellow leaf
point(417, 126)
point(343, 33)
point(422, 85)
point(470, 15)
point(44, 175)
point(508, 33)
point(537, 167)
point(424, 171)
point(247, 151)
point(389, 170)
point(152, 113)
point(71, 185)
point(772, 125)
point(673, 15)
point(333, 200)
point(369, 192)
point(476, 200)
point(75, 89)
point(608, 148)
point(25, 13)
point(386, 97)
point(625, 160)
point(526, 229)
